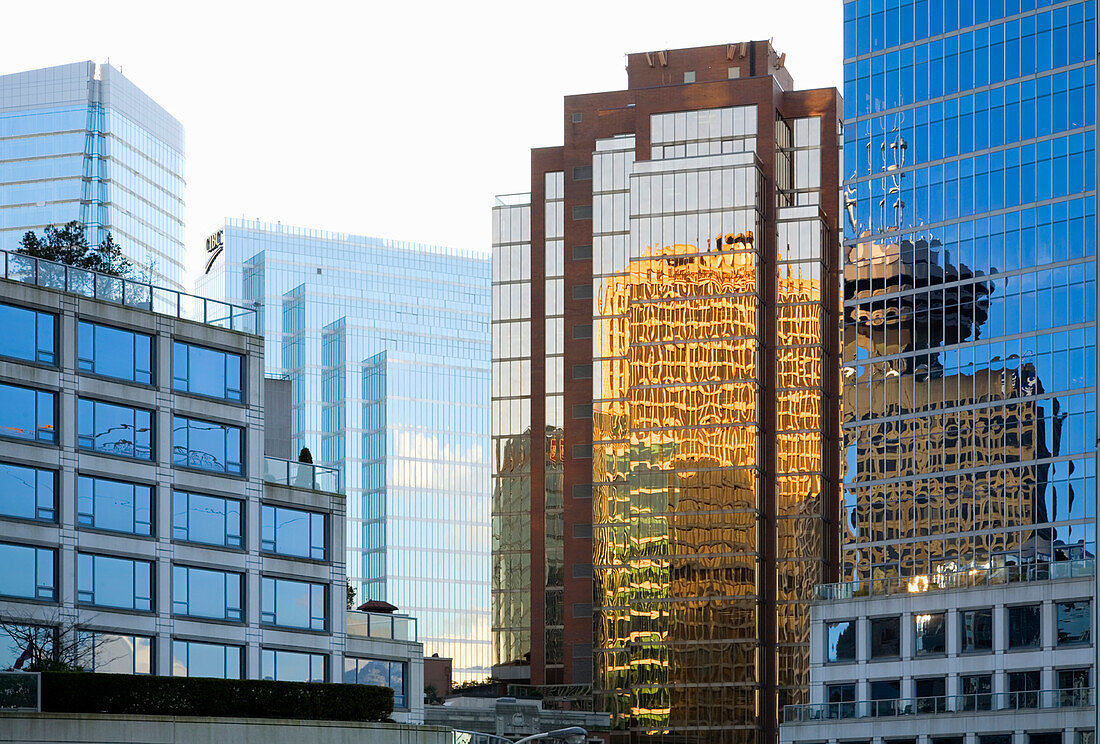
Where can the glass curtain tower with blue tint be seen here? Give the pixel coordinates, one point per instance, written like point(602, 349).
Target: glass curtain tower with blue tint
point(80, 142)
point(969, 285)
point(387, 348)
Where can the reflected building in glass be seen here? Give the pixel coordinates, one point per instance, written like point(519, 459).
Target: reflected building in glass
point(386, 346)
point(969, 286)
point(673, 262)
point(81, 142)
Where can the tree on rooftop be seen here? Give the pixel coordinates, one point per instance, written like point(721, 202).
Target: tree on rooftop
point(69, 245)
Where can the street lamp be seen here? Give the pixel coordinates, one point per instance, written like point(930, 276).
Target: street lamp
point(571, 735)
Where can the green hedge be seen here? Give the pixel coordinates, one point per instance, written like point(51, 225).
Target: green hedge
point(80, 692)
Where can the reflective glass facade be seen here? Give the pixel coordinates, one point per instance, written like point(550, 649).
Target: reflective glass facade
point(673, 262)
point(969, 285)
point(81, 142)
point(386, 345)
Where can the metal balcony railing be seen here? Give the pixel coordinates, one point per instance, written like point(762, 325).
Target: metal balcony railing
point(20, 691)
point(962, 579)
point(381, 625)
point(42, 273)
point(1077, 697)
point(301, 475)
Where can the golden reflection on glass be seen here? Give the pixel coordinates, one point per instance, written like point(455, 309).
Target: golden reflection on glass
point(676, 499)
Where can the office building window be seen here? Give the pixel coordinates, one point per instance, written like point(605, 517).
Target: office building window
point(689, 76)
point(582, 411)
point(1024, 626)
point(582, 172)
point(121, 583)
point(1082, 736)
point(210, 520)
point(114, 429)
point(582, 253)
point(582, 330)
point(840, 641)
point(884, 696)
point(577, 117)
point(292, 604)
point(28, 335)
point(28, 573)
point(19, 644)
point(26, 413)
point(582, 212)
point(293, 532)
point(1074, 622)
point(931, 634)
point(1045, 737)
point(108, 653)
point(931, 694)
point(582, 371)
point(841, 700)
point(1074, 686)
point(976, 628)
point(389, 674)
point(28, 493)
point(885, 637)
point(292, 666)
point(582, 491)
point(206, 445)
point(194, 659)
point(113, 505)
point(114, 352)
point(202, 592)
point(202, 371)
point(995, 739)
point(582, 451)
point(1023, 689)
point(977, 692)
point(946, 739)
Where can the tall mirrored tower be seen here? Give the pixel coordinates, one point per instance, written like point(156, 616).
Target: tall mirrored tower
point(969, 285)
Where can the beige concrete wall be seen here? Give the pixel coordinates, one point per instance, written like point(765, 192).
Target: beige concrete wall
point(70, 728)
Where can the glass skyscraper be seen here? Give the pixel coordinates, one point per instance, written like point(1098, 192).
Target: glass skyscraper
point(81, 142)
point(387, 348)
point(969, 285)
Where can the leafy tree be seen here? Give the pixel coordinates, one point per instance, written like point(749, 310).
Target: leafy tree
point(351, 596)
point(69, 245)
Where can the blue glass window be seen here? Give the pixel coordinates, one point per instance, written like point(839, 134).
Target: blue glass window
point(194, 659)
point(293, 532)
point(26, 413)
point(203, 371)
point(200, 592)
point(210, 520)
point(28, 334)
point(1074, 622)
point(206, 445)
point(29, 572)
point(108, 653)
point(14, 642)
point(114, 505)
point(293, 604)
point(292, 666)
point(114, 429)
point(106, 581)
point(114, 352)
point(28, 493)
point(378, 672)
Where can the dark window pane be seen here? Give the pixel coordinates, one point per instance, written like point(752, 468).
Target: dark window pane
point(115, 352)
point(931, 634)
point(976, 690)
point(1073, 687)
point(1049, 737)
point(28, 493)
point(26, 413)
point(977, 630)
point(28, 334)
point(995, 739)
point(841, 641)
point(206, 445)
point(1024, 626)
point(203, 371)
point(211, 520)
point(885, 637)
point(930, 694)
point(1074, 622)
point(114, 429)
point(114, 505)
point(293, 532)
point(582, 172)
point(582, 253)
point(841, 700)
point(1023, 689)
point(582, 212)
point(884, 696)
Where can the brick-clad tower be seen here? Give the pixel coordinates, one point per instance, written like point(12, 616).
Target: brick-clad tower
point(666, 335)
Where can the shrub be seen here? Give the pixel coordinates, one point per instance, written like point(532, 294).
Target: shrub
point(77, 692)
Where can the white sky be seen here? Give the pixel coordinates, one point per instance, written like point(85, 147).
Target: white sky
point(382, 117)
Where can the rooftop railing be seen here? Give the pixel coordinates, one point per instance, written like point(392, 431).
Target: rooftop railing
point(18, 267)
point(301, 475)
point(961, 579)
point(381, 625)
point(1077, 697)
